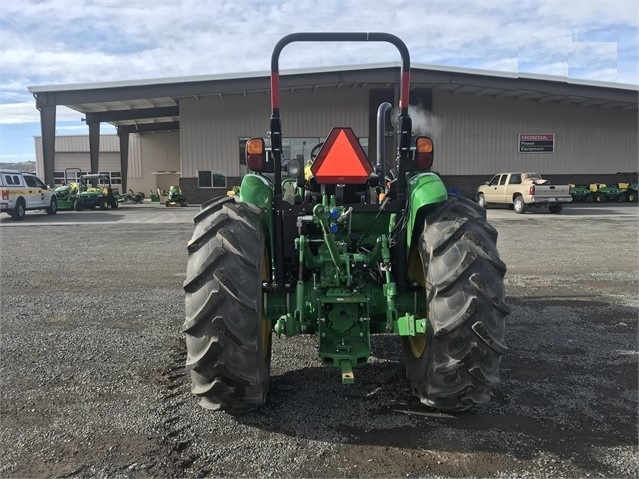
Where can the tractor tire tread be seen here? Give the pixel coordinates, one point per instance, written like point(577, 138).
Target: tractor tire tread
point(228, 367)
point(466, 309)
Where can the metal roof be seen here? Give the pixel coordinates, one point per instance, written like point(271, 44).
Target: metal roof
point(152, 104)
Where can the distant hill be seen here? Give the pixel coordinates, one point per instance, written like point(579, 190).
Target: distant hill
point(27, 166)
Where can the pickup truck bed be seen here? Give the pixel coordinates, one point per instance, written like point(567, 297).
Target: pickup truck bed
point(522, 190)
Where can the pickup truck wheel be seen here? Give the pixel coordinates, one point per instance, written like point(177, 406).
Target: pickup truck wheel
point(456, 362)
point(228, 342)
point(555, 209)
point(481, 200)
point(519, 206)
point(19, 211)
point(53, 206)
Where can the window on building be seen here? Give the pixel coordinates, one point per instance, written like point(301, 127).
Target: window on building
point(211, 179)
point(115, 177)
point(73, 176)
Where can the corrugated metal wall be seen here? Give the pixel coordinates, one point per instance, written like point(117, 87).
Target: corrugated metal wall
point(211, 126)
point(479, 135)
point(108, 161)
point(72, 151)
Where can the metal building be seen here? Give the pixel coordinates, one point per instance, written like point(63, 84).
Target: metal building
point(481, 122)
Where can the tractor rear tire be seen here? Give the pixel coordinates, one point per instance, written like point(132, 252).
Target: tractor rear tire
point(456, 362)
point(227, 340)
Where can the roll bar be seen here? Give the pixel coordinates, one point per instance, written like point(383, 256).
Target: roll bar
point(404, 118)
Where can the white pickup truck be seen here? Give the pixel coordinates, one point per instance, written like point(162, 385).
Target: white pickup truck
point(522, 190)
point(20, 192)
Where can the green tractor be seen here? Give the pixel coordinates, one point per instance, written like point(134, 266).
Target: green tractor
point(360, 249)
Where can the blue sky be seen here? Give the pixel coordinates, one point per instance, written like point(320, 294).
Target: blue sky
point(83, 41)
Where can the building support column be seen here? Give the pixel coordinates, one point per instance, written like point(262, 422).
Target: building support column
point(123, 135)
point(94, 145)
point(47, 125)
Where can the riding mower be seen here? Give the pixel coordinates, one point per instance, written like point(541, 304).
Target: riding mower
point(66, 195)
point(132, 197)
point(358, 249)
point(176, 198)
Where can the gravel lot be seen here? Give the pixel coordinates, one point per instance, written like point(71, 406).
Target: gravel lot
point(93, 382)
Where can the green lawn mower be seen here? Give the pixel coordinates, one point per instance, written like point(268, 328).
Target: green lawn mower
point(176, 197)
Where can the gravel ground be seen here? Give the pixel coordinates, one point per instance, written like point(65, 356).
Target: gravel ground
point(93, 382)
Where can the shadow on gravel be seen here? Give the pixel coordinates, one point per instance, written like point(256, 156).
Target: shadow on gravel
point(569, 388)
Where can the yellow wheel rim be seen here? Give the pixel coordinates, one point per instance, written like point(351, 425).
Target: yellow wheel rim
point(265, 325)
point(417, 343)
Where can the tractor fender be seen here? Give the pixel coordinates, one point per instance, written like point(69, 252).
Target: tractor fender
point(257, 191)
point(423, 189)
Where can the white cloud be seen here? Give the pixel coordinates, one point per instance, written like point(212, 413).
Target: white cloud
point(26, 112)
point(84, 41)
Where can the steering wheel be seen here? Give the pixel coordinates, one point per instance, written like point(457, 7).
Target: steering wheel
point(315, 151)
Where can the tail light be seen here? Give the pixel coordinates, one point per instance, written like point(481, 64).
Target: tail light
point(423, 156)
point(5, 194)
point(531, 190)
point(256, 156)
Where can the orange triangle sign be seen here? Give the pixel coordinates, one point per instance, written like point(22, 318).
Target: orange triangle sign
point(341, 160)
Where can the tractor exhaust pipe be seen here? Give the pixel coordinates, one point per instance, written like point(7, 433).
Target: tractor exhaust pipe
point(381, 137)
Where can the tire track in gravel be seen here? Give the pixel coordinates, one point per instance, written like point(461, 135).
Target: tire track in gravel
point(177, 435)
